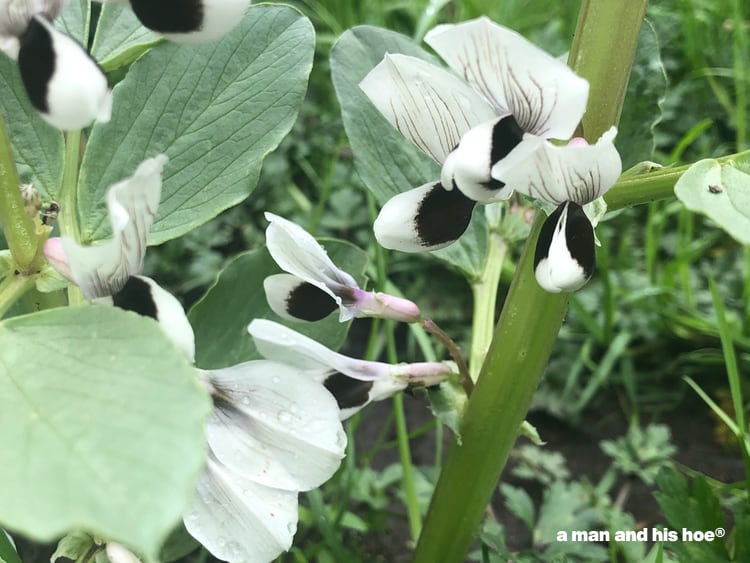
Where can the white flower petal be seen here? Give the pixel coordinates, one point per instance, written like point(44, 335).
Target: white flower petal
point(468, 167)
point(352, 395)
point(556, 174)
point(61, 79)
point(543, 94)
point(298, 253)
point(274, 425)
point(238, 520)
point(279, 343)
point(429, 106)
point(16, 14)
point(564, 258)
point(424, 218)
point(104, 269)
point(144, 296)
point(197, 21)
point(294, 299)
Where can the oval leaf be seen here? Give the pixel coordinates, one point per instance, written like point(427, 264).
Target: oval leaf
point(387, 162)
point(215, 110)
point(722, 192)
point(101, 421)
point(37, 147)
point(221, 317)
point(120, 37)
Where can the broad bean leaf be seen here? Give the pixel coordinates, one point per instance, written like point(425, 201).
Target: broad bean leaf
point(74, 20)
point(221, 317)
point(101, 422)
point(720, 191)
point(120, 37)
point(37, 147)
point(387, 162)
point(215, 110)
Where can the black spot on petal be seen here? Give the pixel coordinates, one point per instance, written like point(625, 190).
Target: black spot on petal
point(443, 215)
point(136, 296)
point(505, 136)
point(36, 63)
point(545, 235)
point(309, 303)
point(169, 16)
point(579, 237)
point(347, 391)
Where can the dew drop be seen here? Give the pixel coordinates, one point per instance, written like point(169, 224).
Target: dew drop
point(285, 417)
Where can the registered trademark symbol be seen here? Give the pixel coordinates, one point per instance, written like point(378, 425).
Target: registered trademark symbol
point(720, 532)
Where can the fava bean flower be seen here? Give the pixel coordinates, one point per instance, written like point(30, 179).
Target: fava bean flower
point(61, 79)
point(189, 21)
point(267, 416)
point(314, 286)
point(490, 132)
point(354, 383)
point(110, 273)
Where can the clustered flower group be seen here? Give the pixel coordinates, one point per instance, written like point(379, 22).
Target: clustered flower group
point(488, 126)
point(275, 429)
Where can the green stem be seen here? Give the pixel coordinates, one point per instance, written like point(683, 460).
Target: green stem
point(733, 375)
point(68, 218)
point(605, 42)
point(12, 289)
point(484, 291)
point(739, 54)
point(411, 499)
point(18, 227)
point(638, 189)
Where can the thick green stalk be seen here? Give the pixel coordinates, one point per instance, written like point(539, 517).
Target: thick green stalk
point(603, 50)
point(12, 289)
point(18, 227)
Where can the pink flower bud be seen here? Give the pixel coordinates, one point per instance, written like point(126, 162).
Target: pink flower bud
point(371, 304)
point(578, 142)
point(53, 250)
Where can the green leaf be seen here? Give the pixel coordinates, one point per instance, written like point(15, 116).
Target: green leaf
point(519, 503)
point(221, 317)
point(37, 147)
point(215, 110)
point(7, 551)
point(387, 162)
point(120, 37)
point(73, 546)
point(74, 20)
point(695, 508)
point(566, 506)
point(447, 402)
point(720, 191)
point(101, 421)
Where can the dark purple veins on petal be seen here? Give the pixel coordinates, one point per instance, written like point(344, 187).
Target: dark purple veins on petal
point(506, 134)
point(579, 237)
point(169, 16)
point(309, 303)
point(443, 215)
point(36, 62)
point(136, 296)
point(347, 391)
